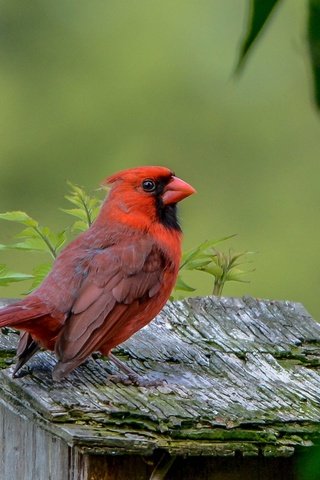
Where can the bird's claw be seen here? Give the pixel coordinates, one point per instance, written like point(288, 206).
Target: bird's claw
point(137, 380)
point(22, 373)
point(146, 382)
point(118, 378)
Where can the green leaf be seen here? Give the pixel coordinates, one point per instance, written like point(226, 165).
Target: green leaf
point(87, 207)
point(314, 45)
point(95, 211)
point(28, 232)
point(79, 226)
point(32, 244)
point(182, 285)
point(260, 11)
point(7, 277)
point(39, 273)
point(195, 252)
point(235, 275)
point(213, 269)
point(197, 263)
point(41, 239)
point(56, 240)
point(233, 257)
point(19, 217)
point(61, 238)
point(76, 212)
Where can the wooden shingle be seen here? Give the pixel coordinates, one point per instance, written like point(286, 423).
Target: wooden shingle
point(239, 377)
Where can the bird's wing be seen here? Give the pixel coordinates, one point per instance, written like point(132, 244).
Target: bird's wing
point(120, 278)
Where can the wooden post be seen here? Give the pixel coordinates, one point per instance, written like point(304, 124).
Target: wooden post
point(240, 395)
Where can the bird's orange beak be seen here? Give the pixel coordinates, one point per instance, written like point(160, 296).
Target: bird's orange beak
point(176, 190)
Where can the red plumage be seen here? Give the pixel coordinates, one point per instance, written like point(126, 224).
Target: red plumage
point(112, 279)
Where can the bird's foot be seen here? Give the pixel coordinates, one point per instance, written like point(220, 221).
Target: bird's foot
point(137, 380)
point(119, 378)
point(148, 382)
point(130, 377)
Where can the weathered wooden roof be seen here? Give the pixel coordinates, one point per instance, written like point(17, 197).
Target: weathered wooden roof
point(240, 375)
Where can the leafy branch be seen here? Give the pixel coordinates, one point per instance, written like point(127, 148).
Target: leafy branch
point(86, 210)
point(34, 237)
point(41, 239)
point(259, 15)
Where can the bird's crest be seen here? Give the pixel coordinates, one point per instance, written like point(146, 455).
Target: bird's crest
point(138, 173)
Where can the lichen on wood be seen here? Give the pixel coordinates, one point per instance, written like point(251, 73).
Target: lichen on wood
point(238, 375)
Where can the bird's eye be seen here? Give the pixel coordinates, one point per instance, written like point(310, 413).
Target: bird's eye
point(148, 185)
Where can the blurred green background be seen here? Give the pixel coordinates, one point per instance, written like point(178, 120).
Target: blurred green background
point(88, 88)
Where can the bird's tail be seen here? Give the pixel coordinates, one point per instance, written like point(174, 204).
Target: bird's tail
point(27, 347)
point(18, 313)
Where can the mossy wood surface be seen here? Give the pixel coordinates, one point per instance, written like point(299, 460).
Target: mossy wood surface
point(240, 375)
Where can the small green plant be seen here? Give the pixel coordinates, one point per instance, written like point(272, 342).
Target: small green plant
point(223, 267)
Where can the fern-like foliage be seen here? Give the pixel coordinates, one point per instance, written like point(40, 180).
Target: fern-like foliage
point(86, 207)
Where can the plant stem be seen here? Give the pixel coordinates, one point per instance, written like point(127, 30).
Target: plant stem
point(47, 242)
point(89, 220)
point(217, 287)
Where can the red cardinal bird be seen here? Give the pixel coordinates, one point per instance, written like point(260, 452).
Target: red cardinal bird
point(112, 279)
